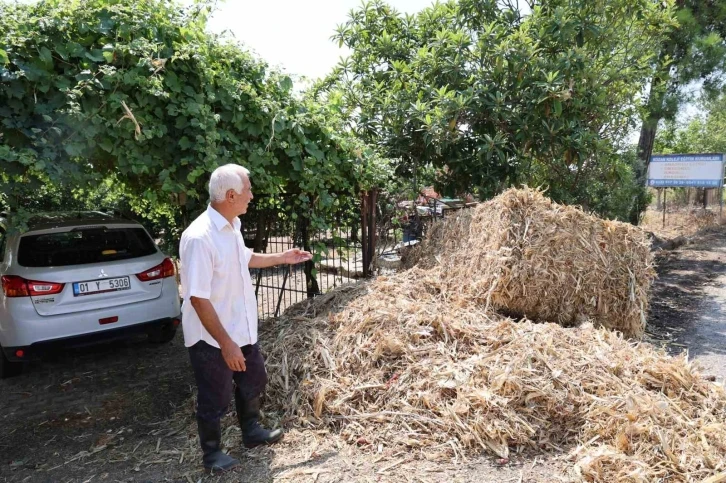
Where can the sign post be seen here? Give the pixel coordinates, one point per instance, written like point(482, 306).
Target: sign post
point(686, 170)
point(665, 191)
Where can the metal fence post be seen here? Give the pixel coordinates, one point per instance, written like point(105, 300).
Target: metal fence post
point(365, 240)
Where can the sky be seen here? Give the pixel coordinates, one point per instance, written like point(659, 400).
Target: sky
point(294, 34)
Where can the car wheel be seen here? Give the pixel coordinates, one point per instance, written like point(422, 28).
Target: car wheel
point(163, 334)
point(8, 368)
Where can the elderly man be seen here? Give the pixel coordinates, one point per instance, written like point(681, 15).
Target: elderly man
point(220, 315)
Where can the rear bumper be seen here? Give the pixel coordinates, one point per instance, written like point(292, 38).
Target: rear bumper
point(34, 350)
point(21, 326)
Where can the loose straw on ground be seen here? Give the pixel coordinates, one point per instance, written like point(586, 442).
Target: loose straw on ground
point(425, 360)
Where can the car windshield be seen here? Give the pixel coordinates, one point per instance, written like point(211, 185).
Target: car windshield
point(84, 245)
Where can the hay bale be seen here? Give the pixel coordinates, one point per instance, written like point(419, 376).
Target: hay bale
point(442, 236)
point(530, 257)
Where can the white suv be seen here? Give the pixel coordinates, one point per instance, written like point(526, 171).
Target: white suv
point(75, 278)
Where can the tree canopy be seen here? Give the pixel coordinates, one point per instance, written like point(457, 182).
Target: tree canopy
point(692, 52)
point(139, 90)
point(492, 97)
point(705, 133)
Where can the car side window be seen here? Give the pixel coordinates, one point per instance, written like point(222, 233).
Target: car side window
point(2, 244)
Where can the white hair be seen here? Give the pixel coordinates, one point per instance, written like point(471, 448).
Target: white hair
point(225, 178)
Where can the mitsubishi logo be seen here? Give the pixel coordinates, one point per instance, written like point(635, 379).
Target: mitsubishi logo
point(103, 274)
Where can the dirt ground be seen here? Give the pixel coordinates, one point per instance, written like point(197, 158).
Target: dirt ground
point(688, 308)
point(123, 412)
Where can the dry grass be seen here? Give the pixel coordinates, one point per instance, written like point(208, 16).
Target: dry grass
point(681, 221)
point(418, 362)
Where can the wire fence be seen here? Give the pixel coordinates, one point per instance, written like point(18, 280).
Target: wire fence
point(337, 255)
point(368, 235)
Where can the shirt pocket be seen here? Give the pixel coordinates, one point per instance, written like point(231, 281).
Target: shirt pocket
point(224, 262)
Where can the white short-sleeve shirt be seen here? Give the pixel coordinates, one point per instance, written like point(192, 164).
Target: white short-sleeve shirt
point(214, 266)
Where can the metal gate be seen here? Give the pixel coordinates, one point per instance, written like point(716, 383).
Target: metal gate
point(338, 253)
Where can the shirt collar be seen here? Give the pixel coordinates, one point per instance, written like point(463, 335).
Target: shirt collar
point(220, 221)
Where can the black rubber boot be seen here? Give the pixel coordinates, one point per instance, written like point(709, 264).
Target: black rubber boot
point(253, 435)
point(210, 438)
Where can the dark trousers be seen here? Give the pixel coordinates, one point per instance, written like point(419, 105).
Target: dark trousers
point(214, 379)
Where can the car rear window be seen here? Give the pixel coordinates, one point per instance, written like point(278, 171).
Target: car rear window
point(84, 245)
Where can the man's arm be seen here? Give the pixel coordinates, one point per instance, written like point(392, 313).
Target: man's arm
point(264, 260)
point(292, 256)
point(210, 320)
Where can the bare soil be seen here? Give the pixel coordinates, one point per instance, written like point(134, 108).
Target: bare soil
point(688, 305)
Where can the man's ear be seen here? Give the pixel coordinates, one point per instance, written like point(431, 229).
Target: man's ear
point(229, 195)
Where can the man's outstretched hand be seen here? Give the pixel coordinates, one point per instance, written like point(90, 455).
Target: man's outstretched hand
point(295, 255)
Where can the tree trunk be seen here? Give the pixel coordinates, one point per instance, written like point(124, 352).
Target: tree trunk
point(645, 149)
point(656, 96)
point(659, 205)
point(261, 238)
point(310, 281)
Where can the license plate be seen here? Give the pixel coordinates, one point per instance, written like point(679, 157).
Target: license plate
point(100, 286)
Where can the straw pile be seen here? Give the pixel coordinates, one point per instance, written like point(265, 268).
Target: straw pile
point(530, 257)
point(408, 364)
point(415, 361)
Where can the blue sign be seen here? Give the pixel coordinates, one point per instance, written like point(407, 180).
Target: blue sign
point(697, 170)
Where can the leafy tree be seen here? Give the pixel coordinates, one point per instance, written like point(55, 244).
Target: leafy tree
point(705, 133)
point(491, 97)
point(138, 90)
point(695, 51)
point(110, 196)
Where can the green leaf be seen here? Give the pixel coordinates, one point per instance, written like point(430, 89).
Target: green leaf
point(95, 55)
point(4, 57)
point(62, 51)
point(108, 56)
point(73, 149)
point(558, 108)
point(62, 83)
point(314, 151)
point(46, 56)
point(84, 75)
point(172, 82)
point(286, 83)
point(106, 144)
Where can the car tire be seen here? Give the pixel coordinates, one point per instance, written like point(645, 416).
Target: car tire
point(8, 368)
point(162, 335)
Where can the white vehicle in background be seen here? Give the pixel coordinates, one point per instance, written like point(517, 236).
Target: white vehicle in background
point(78, 278)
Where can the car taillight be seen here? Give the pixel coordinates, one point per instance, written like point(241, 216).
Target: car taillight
point(44, 288)
point(163, 270)
point(14, 286)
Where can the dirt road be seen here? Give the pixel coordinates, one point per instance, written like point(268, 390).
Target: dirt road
point(688, 310)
